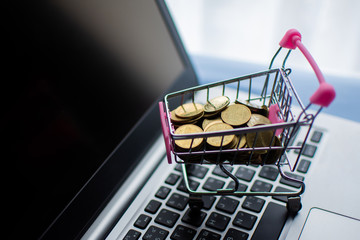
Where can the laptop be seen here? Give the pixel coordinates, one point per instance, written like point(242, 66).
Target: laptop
point(133, 193)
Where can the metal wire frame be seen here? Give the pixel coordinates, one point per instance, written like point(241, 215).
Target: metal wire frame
point(282, 93)
point(278, 89)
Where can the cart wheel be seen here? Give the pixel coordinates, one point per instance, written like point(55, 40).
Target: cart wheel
point(294, 205)
point(195, 203)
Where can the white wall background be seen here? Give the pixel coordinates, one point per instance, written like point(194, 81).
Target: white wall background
point(250, 30)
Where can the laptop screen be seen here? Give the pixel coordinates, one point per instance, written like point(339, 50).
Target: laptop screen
point(84, 74)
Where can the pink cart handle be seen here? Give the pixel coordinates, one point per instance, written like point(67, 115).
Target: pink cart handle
point(273, 117)
point(325, 94)
point(165, 130)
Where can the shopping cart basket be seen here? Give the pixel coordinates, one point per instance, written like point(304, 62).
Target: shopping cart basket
point(269, 92)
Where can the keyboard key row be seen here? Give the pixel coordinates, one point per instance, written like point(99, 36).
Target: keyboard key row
point(215, 220)
point(194, 170)
point(212, 184)
point(270, 223)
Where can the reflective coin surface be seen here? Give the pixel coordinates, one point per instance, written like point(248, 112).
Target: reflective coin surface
point(216, 104)
point(236, 115)
point(219, 141)
point(189, 110)
point(187, 143)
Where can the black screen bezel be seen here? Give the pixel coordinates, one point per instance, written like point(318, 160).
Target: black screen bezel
point(77, 217)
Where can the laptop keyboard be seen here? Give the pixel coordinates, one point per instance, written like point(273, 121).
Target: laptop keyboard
point(167, 214)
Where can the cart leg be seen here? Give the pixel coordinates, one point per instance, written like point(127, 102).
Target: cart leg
point(294, 205)
point(195, 202)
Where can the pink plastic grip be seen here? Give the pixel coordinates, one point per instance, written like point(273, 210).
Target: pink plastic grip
point(325, 94)
point(166, 131)
point(273, 117)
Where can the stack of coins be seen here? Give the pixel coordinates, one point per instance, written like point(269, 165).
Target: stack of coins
point(215, 106)
point(219, 115)
point(222, 142)
point(193, 144)
point(189, 113)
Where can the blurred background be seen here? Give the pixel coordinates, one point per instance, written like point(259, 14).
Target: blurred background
point(250, 31)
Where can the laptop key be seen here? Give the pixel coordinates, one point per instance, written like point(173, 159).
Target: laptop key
point(155, 233)
point(271, 223)
point(281, 198)
point(254, 204)
point(308, 150)
point(167, 218)
point(212, 184)
point(227, 204)
point(194, 218)
point(197, 171)
point(269, 173)
point(260, 186)
point(292, 183)
point(208, 235)
point(241, 188)
point(217, 171)
point(152, 206)
point(172, 179)
point(177, 201)
point(245, 174)
point(142, 221)
point(192, 183)
point(132, 235)
point(304, 166)
point(316, 136)
point(217, 221)
point(234, 234)
point(183, 233)
point(163, 192)
point(244, 220)
point(208, 201)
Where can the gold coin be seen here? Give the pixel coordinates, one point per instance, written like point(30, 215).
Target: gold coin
point(207, 122)
point(242, 142)
point(176, 119)
point(263, 139)
point(187, 143)
point(219, 141)
point(216, 104)
point(189, 110)
point(236, 115)
point(210, 115)
point(254, 108)
point(257, 119)
point(274, 154)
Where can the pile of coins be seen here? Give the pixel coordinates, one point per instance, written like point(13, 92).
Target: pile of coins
point(218, 114)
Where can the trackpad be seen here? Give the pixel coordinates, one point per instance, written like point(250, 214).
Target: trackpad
point(321, 224)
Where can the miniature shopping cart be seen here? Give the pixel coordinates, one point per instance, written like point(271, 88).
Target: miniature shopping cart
point(274, 90)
